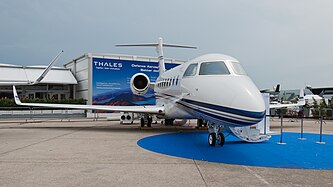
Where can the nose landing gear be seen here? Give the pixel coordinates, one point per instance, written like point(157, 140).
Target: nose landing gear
point(215, 135)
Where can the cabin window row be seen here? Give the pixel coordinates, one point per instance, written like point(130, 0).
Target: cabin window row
point(164, 83)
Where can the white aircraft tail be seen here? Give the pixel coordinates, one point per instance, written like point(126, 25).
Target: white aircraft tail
point(159, 48)
point(301, 100)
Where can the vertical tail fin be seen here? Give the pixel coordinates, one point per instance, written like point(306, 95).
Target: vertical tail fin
point(161, 63)
point(301, 100)
point(159, 47)
point(277, 89)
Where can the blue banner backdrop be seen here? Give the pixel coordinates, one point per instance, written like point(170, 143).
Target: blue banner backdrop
point(111, 81)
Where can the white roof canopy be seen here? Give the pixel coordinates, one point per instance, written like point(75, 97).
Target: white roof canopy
point(13, 74)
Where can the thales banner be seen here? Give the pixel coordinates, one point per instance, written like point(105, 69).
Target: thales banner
point(111, 81)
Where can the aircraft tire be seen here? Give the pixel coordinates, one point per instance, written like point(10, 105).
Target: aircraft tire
point(221, 139)
point(199, 123)
point(150, 120)
point(212, 139)
point(142, 121)
point(169, 122)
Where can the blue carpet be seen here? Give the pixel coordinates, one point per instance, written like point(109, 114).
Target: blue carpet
point(304, 154)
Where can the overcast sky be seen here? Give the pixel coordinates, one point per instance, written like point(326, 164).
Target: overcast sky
point(287, 42)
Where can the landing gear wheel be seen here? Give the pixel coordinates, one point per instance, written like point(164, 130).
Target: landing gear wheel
point(221, 139)
point(199, 123)
point(169, 122)
point(150, 120)
point(212, 139)
point(142, 121)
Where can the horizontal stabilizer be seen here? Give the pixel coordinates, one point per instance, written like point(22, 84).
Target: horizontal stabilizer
point(156, 45)
point(159, 48)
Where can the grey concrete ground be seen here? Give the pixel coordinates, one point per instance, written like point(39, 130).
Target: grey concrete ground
point(103, 153)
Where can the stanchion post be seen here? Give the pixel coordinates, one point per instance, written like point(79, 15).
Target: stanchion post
point(31, 113)
point(265, 124)
point(302, 129)
point(321, 131)
point(67, 115)
point(281, 142)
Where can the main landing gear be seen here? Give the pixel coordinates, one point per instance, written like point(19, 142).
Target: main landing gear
point(215, 135)
point(201, 123)
point(146, 120)
point(169, 122)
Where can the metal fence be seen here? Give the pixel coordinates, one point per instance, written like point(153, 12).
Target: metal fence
point(301, 118)
point(32, 113)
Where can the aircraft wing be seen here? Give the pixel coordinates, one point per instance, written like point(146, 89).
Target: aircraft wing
point(135, 109)
point(300, 102)
point(285, 105)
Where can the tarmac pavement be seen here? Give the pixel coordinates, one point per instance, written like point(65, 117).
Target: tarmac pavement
point(104, 153)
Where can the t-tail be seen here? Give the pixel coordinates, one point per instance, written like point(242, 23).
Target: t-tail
point(159, 48)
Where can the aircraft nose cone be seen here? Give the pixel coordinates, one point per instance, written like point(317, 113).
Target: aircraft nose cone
point(249, 99)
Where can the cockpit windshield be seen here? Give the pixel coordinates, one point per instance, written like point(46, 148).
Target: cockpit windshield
point(213, 68)
point(238, 69)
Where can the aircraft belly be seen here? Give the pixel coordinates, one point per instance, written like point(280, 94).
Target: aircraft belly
point(172, 110)
point(218, 120)
point(177, 112)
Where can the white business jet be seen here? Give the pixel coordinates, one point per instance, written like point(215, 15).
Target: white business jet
point(213, 88)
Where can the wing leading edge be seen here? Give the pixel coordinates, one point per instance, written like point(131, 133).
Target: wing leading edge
point(285, 105)
point(301, 102)
point(135, 109)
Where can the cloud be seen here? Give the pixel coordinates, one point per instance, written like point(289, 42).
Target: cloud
point(284, 41)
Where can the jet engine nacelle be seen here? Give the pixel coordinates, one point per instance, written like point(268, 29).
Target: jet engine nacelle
point(140, 83)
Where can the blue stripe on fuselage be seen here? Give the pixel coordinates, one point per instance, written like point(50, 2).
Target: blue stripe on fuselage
point(255, 115)
point(218, 117)
point(258, 115)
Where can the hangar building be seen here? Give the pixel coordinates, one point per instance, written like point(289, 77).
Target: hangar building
point(57, 84)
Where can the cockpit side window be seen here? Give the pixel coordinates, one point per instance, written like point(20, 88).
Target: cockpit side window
point(191, 70)
point(238, 69)
point(213, 68)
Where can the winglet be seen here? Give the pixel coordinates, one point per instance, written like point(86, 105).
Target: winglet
point(16, 98)
point(48, 68)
